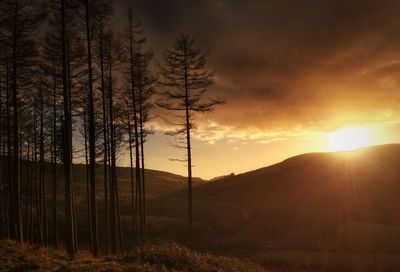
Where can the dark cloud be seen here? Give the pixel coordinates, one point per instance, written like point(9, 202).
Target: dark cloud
point(288, 63)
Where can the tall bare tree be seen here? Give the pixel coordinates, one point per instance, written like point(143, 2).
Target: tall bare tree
point(134, 28)
point(140, 86)
point(91, 128)
point(185, 81)
point(105, 11)
point(21, 19)
point(144, 86)
point(113, 52)
point(70, 241)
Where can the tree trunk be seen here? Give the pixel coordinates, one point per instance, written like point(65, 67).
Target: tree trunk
point(135, 125)
point(69, 78)
point(16, 190)
point(31, 229)
point(37, 186)
point(28, 198)
point(105, 144)
point(87, 180)
point(9, 165)
point(2, 190)
point(92, 143)
point(41, 170)
point(134, 224)
point(69, 219)
point(143, 219)
point(113, 163)
point(54, 160)
point(189, 152)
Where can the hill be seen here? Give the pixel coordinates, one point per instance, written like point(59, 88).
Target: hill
point(316, 207)
point(158, 184)
point(344, 201)
point(320, 200)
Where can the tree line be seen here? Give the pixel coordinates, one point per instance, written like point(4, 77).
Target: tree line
point(73, 87)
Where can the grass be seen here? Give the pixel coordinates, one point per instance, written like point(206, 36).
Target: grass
point(160, 256)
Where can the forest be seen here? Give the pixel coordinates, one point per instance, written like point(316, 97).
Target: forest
point(76, 88)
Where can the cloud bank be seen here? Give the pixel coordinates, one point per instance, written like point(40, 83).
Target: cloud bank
point(289, 65)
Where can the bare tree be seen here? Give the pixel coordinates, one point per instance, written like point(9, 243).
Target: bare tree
point(21, 19)
point(140, 83)
point(114, 51)
point(134, 28)
point(105, 11)
point(67, 142)
point(144, 87)
point(51, 66)
point(91, 128)
point(185, 82)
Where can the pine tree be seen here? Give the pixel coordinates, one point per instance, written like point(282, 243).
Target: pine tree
point(185, 80)
point(70, 241)
point(21, 19)
point(91, 128)
point(134, 28)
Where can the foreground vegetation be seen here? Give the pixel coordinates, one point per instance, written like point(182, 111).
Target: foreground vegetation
point(150, 257)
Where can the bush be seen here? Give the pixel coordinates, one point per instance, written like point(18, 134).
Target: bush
point(175, 257)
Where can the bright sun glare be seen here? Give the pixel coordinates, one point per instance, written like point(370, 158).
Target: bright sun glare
point(349, 139)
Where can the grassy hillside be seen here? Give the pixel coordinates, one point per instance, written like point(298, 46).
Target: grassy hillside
point(158, 184)
point(158, 257)
point(333, 203)
point(320, 210)
point(347, 200)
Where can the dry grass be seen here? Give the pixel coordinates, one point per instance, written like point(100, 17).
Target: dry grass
point(152, 257)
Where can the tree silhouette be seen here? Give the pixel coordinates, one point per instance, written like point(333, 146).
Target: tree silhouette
point(91, 127)
point(72, 90)
point(185, 81)
point(20, 18)
point(134, 28)
point(70, 231)
point(140, 85)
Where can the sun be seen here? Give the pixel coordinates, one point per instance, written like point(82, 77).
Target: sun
point(349, 139)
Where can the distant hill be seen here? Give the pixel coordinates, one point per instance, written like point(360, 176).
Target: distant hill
point(221, 177)
point(157, 182)
point(318, 201)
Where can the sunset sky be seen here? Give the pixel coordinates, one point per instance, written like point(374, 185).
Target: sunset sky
point(291, 72)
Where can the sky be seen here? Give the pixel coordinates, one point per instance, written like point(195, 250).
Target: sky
point(291, 73)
